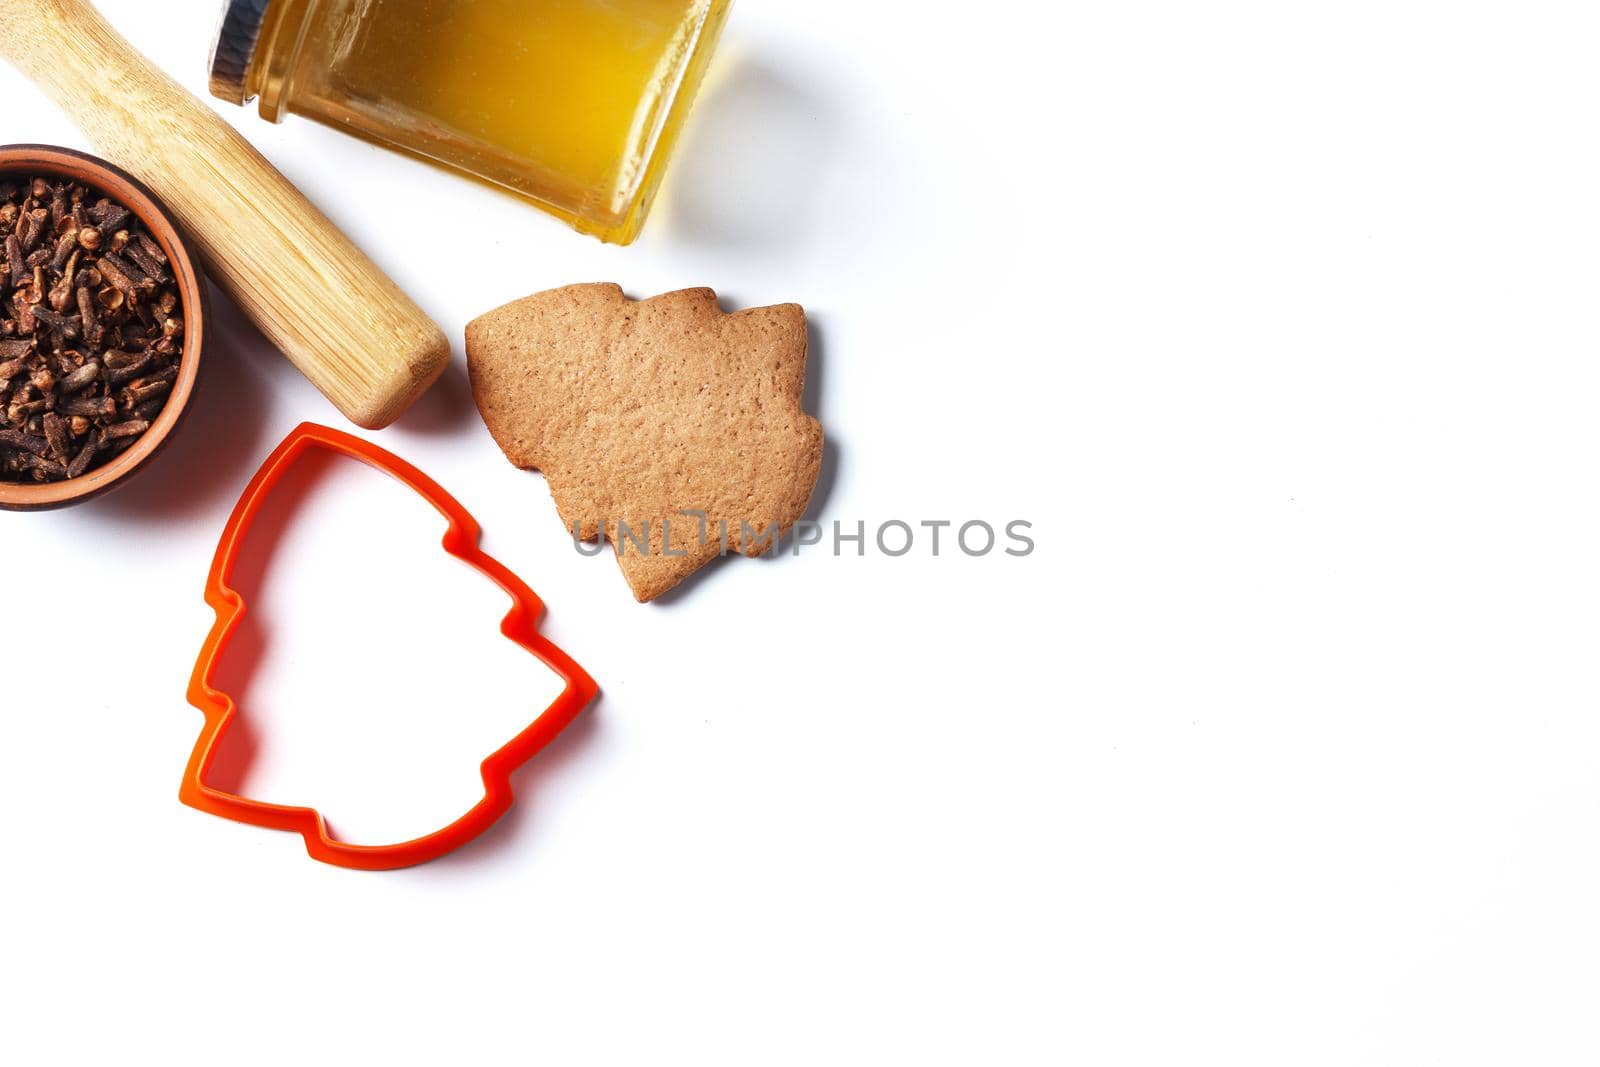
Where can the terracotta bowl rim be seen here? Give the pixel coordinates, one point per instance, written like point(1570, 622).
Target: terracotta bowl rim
point(122, 188)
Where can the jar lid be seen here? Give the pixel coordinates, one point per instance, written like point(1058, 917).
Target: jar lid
point(238, 31)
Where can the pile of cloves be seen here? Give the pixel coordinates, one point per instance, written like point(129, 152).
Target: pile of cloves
point(91, 329)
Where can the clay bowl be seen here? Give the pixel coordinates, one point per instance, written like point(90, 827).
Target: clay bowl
point(18, 161)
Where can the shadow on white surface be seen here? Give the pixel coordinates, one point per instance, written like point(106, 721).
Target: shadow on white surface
point(745, 176)
point(446, 409)
point(221, 439)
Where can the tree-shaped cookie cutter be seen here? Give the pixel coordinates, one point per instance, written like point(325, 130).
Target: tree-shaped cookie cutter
point(521, 625)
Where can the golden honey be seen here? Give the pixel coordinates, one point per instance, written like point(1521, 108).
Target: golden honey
point(574, 104)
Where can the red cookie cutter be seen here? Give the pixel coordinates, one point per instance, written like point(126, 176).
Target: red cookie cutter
point(521, 625)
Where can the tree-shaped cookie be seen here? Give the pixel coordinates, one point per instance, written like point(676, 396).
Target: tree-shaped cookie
point(665, 426)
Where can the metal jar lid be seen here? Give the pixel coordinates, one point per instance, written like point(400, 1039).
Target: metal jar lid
point(238, 32)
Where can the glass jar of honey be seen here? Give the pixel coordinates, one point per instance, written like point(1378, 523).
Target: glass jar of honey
point(574, 104)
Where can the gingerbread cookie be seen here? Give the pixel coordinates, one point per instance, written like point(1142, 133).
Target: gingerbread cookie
point(665, 426)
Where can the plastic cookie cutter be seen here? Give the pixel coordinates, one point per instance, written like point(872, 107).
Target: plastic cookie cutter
point(521, 625)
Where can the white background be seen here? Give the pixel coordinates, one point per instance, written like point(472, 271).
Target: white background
point(1276, 320)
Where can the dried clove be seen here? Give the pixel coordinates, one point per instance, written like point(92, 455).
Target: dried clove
point(81, 378)
point(91, 330)
point(80, 462)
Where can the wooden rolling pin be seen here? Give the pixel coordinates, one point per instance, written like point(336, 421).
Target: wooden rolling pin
point(311, 291)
